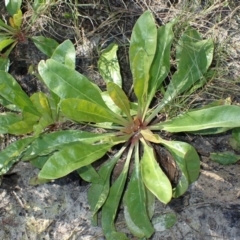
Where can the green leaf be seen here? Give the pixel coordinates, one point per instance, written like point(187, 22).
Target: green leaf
point(211, 131)
point(8, 105)
point(39, 5)
point(3, 36)
point(215, 117)
point(12, 92)
point(54, 101)
point(98, 192)
point(39, 162)
point(38, 181)
point(12, 154)
point(135, 211)
point(42, 124)
point(142, 50)
point(164, 221)
point(55, 141)
point(65, 54)
point(77, 155)
point(25, 125)
point(134, 229)
point(45, 45)
point(153, 176)
point(4, 64)
point(236, 134)
point(7, 119)
point(150, 199)
point(89, 174)
point(85, 111)
point(194, 57)
point(13, 6)
point(161, 62)
point(234, 141)
point(67, 83)
point(116, 236)
point(225, 158)
point(187, 161)
point(7, 30)
point(110, 207)
point(6, 42)
point(108, 65)
point(119, 98)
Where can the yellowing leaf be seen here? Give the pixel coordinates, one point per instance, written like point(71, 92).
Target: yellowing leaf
point(17, 19)
point(119, 98)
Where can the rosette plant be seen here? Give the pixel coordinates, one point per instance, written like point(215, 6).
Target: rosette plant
point(15, 30)
point(135, 127)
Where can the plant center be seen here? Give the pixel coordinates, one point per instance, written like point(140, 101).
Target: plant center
point(135, 128)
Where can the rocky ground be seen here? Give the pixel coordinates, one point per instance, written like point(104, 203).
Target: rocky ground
point(210, 209)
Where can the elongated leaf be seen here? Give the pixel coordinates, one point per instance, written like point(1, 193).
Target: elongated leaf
point(38, 181)
point(110, 207)
point(110, 104)
point(41, 103)
point(225, 158)
point(150, 136)
point(136, 214)
point(3, 36)
point(77, 155)
point(6, 42)
point(12, 92)
point(89, 174)
point(13, 6)
point(236, 134)
point(42, 124)
point(7, 119)
point(234, 141)
point(7, 30)
point(194, 57)
point(119, 98)
point(4, 64)
point(187, 161)
point(161, 62)
point(98, 192)
point(65, 54)
point(54, 101)
point(215, 117)
point(39, 5)
point(9, 105)
point(150, 197)
point(85, 111)
point(108, 65)
point(153, 176)
point(55, 141)
point(17, 19)
point(67, 83)
point(134, 229)
point(142, 50)
point(12, 153)
point(117, 236)
point(24, 126)
point(39, 162)
point(45, 45)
